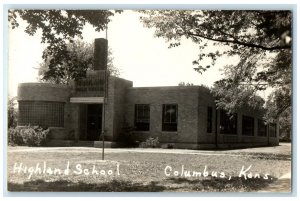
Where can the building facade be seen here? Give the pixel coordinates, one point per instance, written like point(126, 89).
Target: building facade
point(179, 116)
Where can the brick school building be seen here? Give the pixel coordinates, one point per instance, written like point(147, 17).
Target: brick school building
point(179, 116)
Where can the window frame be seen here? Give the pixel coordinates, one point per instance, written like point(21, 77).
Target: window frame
point(139, 125)
point(41, 113)
point(169, 126)
point(261, 122)
point(209, 119)
point(232, 126)
point(244, 130)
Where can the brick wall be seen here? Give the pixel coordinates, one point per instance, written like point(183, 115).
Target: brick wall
point(206, 100)
point(115, 107)
point(41, 92)
point(185, 97)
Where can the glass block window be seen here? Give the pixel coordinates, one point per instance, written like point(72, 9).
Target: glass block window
point(142, 117)
point(248, 125)
point(169, 117)
point(272, 130)
point(228, 123)
point(42, 113)
point(261, 128)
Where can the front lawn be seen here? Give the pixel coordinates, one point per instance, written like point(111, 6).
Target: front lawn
point(141, 172)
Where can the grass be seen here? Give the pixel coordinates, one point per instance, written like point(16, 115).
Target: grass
point(144, 172)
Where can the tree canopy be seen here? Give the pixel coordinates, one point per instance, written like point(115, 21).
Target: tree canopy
point(255, 31)
point(80, 60)
point(12, 113)
point(261, 40)
point(59, 27)
point(182, 84)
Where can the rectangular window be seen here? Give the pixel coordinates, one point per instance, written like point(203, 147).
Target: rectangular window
point(169, 117)
point(261, 128)
point(142, 117)
point(248, 125)
point(209, 120)
point(272, 130)
point(41, 113)
point(228, 123)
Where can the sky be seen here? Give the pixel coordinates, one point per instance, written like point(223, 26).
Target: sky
point(141, 57)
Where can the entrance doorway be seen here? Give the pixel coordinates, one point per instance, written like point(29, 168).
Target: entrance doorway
point(94, 121)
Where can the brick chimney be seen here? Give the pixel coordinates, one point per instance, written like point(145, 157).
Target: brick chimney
point(100, 54)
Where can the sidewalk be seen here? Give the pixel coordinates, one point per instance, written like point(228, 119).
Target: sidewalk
point(282, 149)
point(282, 185)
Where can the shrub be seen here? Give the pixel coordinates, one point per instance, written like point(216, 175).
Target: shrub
point(14, 137)
point(167, 146)
point(127, 136)
point(150, 143)
point(34, 135)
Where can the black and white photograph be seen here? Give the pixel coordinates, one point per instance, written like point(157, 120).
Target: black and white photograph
point(150, 100)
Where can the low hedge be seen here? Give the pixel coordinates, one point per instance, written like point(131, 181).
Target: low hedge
point(28, 135)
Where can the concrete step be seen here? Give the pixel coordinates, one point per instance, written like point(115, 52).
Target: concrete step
point(108, 144)
point(83, 144)
point(60, 143)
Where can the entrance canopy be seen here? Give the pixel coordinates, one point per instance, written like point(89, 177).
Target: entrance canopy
point(86, 99)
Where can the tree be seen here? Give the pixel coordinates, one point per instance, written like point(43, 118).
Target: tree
point(261, 40)
point(277, 109)
point(81, 60)
point(235, 98)
point(240, 31)
point(185, 84)
point(12, 113)
point(59, 27)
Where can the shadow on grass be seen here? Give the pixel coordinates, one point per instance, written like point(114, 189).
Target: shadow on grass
point(68, 186)
point(235, 184)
